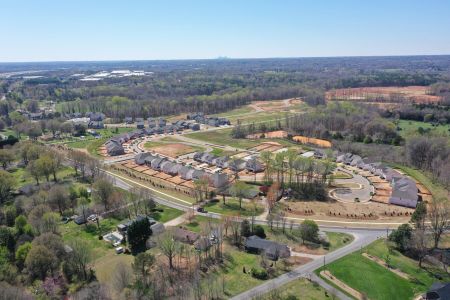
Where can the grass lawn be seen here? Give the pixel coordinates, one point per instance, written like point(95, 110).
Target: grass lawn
point(236, 281)
point(308, 291)
point(231, 207)
point(377, 282)
point(23, 178)
point(106, 265)
point(168, 214)
point(198, 222)
point(435, 188)
point(338, 240)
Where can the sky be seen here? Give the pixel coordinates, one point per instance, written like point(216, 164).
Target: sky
point(86, 30)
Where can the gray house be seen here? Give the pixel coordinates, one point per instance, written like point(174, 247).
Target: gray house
point(186, 172)
point(404, 192)
point(222, 162)
point(114, 148)
point(236, 165)
point(438, 291)
point(218, 180)
point(271, 249)
point(254, 165)
point(156, 163)
point(140, 158)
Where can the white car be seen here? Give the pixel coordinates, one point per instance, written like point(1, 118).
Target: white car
point(92, 218)
point(119, 250)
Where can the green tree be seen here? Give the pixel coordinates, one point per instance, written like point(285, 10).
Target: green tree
point(6, 157)
point(102, 191)
point(419, 215)
point(40, 261)
point(20, 224)
point(137, 234)
point(7, 183)
point(401, 237)
point(245, 228)
point(239, 190)
point(21, 253)
point(309, 231)
point(58, 197)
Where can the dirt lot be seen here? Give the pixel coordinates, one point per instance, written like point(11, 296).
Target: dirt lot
point(354, 211)
point(418, 94)
point(173, 149)
point(279, 134)
point(308, 140)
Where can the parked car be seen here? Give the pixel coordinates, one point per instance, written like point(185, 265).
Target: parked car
point(202, 210)
point(80, 220)
point(119, 250)
point(92, 218)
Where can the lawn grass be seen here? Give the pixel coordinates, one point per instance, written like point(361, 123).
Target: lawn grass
point(338, 240)
point(23, 177)
point(196, 224)
point(292, 290)
point(231, 207)
point(376, 281)
point(237, 111)
point(167, 214)
point(235, 280)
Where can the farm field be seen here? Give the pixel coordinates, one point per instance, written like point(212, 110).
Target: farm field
point(375, 281)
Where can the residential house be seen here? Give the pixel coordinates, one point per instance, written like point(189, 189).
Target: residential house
point(185, 236)
point(254, 165)
point(222, 162)
point(139, 159)
point(114, 148)
point(438, 291)
point(404, 192)
point(236, 165)
point(271, 249)
point(128, 120)
point(186, 172)
point(218, 180)
point(156, 163)
point(140, 125)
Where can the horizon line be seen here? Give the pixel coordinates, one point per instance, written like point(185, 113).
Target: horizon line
point(217, 58)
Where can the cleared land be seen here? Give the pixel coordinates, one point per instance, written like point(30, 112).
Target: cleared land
point(416, 94)
point(171, 149)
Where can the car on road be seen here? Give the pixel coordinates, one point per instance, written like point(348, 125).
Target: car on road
point(202, 210)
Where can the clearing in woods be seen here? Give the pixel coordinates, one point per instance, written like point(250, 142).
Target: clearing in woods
point(417, 94)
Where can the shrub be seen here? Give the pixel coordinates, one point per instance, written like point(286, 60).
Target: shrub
point(259, 273)
point(259, 231)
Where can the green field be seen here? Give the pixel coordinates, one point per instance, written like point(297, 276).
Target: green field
point(410, 128)
point(197, 223)
point(377, 282)
point(235, 112)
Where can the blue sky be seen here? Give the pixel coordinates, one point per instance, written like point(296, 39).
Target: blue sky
point(49, 30)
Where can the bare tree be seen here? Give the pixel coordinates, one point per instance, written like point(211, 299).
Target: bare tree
point(168, 246)
point(438, 214)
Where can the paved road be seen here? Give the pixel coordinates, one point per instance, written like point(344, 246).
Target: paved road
point(362, 238)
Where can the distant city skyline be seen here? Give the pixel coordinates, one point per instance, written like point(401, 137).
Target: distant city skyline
point(51, 30)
